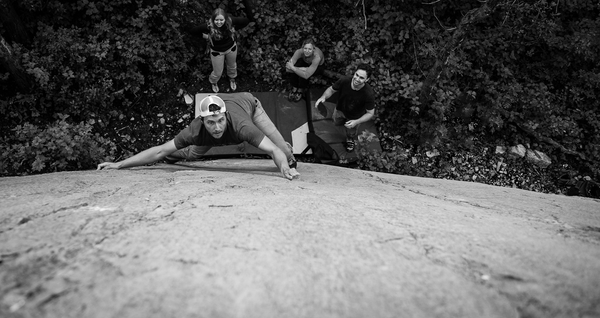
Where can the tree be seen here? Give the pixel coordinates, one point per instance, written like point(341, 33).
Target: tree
point(17, 33)
point(459, 33)
point(513, 71)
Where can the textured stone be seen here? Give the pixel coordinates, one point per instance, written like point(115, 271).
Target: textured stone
point(538, 158)
point(232, 238)
point(517, 151)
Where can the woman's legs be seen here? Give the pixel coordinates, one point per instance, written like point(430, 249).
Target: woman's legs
point(294, 95)
point(319, 71)
point(230, 61)
point(294, 80)
point(299, 81)
point(217, 65)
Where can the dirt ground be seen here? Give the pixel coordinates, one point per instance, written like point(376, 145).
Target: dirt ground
point(232, 238)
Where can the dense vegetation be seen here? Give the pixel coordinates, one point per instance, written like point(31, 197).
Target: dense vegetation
point(87, 80)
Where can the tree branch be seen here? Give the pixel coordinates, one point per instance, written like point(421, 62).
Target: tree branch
point(16, 31)
point(8, 63)
point(549, 141)
point(459, 34)
point(364, 11)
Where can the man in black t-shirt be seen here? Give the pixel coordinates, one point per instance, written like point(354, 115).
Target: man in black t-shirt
point(356, 102)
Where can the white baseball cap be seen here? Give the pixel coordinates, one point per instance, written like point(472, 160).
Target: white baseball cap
point(212, 105)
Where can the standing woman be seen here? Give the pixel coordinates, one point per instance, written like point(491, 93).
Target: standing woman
point(223, 48)
point(306, 62)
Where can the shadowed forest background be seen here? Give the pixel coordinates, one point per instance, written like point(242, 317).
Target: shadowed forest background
point(86, 81)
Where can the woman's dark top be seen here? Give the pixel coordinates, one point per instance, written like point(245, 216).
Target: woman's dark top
point(226, 41)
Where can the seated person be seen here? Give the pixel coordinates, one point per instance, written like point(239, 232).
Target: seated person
point(306, 62)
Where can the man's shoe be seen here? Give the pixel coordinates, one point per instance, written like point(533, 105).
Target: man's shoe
point(215, 88)
point(350, 144)
point(232, 84)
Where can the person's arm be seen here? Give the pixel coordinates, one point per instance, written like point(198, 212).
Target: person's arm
point(307, 72)
point(366, 117)
point(289, 65)
point(328, 93)
point(240, 22)
point(279, 158)
point(143, 158)
point(296, 56)
point(199, 30)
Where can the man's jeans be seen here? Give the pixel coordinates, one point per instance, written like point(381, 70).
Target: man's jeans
point(339, 119)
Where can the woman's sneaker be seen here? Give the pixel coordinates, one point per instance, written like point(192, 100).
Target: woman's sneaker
point(232, 84)
point(215, 87)
point(292, 95)
point(350, 144)
point(298, 96)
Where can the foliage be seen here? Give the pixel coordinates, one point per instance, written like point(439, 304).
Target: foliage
point(517, 69)
point(479, 164)
point(96, 61)
point(61, 146)
point(580, 185)
point(509, 71)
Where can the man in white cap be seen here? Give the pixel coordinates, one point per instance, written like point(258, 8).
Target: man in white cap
point(227, 119)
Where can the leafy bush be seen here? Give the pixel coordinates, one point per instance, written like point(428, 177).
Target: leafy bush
point(580, 186)
point(96, 60)
point(517, 72)
point(478, 164)
point(391, 160)
point(60, 146)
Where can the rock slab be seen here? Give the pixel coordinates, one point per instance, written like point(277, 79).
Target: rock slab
point(231, 238)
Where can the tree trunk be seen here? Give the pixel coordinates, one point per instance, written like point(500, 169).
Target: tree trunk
point(458, 36)
point(16, 33)
point(8, 63)
point(249, 8)
point(15, 29)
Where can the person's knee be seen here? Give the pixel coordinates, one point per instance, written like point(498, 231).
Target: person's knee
point(218, 71)
point(338, 120)
point(216, 75)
